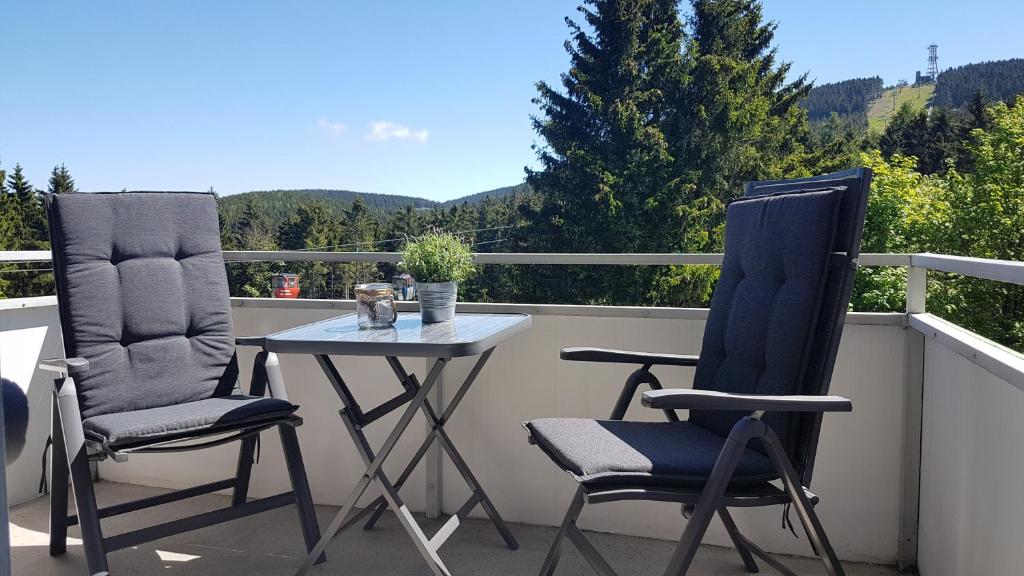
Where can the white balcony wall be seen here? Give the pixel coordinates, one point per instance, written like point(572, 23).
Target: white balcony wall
point(858, 474)
point(972, 465)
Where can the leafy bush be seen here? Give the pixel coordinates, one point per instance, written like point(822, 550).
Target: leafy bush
point(438, 257)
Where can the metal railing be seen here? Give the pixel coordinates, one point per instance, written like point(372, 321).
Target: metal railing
point(917, 264)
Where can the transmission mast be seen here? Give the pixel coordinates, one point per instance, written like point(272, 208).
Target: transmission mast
point(933, 62)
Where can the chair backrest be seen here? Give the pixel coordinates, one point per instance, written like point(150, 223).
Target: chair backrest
point(143, 296)
point(777, 314)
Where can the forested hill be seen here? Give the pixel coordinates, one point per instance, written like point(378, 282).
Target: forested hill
point(999, 80)
point(523, 188)
point(277, 205)
point(846, 98)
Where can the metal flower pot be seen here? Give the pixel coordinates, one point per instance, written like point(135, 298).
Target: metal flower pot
point(437, 300)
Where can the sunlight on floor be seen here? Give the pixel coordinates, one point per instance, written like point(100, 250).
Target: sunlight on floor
point(27, 537)
point(175, 556)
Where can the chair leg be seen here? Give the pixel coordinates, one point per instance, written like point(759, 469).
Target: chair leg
point(300, 485)
point(243, 471)
point(59, 476)
point(88, 515)
point(555, 552)
point(711, 496)
point(734, 534)
point(809, 519)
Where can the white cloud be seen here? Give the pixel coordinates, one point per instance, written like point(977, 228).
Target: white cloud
point(335, 128)
point(384, 130)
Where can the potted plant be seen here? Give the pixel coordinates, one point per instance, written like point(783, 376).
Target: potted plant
point(437, 261)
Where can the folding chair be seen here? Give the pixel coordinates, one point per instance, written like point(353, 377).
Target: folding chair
point(151, 364)
point(759, 389)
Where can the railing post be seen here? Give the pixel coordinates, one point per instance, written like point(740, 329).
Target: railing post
point(917, 288)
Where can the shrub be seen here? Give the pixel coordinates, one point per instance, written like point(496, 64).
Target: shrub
point(438, 257)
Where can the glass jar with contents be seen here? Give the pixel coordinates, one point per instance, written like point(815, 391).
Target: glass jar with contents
point(375, 305)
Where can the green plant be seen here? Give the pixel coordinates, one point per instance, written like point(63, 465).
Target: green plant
point(438, 257)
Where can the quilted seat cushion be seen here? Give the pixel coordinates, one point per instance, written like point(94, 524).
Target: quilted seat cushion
point(622, 452)
point(143, 296)
point(224, 413)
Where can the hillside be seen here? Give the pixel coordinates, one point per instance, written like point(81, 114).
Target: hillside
point(846, 98)
point(998, 80)
point(881, 110)
point(496, 193)
point(279, 204)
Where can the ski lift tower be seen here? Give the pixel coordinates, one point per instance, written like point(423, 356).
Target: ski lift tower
point(933, 62)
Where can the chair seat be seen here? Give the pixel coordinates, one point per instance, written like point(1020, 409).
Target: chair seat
point(622, 452)
point(222, 413)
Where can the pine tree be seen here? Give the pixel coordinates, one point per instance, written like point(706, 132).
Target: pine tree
point(7, 231)
point(740, 118)
point(359, 235)
point(653, 132)
point(607, 173)
point(61, 181)
point(313, 226)
point(606, 163)
point(252, 231)
point(27, 214)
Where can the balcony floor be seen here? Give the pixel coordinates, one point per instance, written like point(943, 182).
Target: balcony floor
point(268, 544)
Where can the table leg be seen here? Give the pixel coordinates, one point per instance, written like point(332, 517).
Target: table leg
point(438, 433)
point(373, 468)
point(426, 547)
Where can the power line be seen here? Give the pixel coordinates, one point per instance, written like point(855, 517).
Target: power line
point(314, 248)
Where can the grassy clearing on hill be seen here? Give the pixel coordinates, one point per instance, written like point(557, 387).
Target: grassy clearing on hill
point(882, 109)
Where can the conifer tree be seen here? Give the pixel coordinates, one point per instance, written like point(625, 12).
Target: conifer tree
point(740, 117)
point(27, 214)
point(61, 181)
point(654, 130)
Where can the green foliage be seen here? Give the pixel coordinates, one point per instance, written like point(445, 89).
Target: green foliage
point(937, 138)
point(438, 257)
point(987, 221)
point(978, 213)
point(907, 212)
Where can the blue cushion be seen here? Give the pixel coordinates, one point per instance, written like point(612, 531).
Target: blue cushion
point(168, 422)
point(764, 309)
point(143, 296)
point(619, 452)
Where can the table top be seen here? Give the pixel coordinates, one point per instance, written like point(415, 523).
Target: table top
point(466, 335)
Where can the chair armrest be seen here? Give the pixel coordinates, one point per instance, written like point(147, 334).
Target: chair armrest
point(64, 365)
point(585, 354)
point(250, 341)
point(685, 399)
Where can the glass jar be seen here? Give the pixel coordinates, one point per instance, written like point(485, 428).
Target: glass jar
point(375, 305)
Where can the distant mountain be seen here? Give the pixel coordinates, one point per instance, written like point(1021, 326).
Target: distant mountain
point(863, 99)
point(523, 188)
point(279, 204)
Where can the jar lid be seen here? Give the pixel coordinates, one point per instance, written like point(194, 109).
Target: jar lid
point(375, 289)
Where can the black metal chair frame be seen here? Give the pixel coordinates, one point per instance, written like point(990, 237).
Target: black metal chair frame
point(72, 452)
point(700, 503)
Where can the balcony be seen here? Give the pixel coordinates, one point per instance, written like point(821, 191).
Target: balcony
point(924, 473)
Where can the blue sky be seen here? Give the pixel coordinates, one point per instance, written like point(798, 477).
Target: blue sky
point(404, 97)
